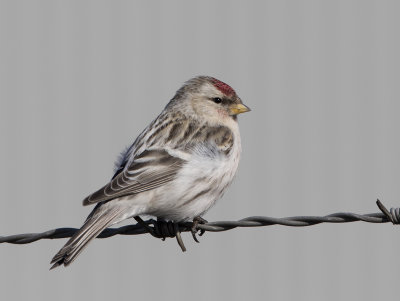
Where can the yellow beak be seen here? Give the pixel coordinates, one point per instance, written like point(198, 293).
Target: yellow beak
point(238, 108)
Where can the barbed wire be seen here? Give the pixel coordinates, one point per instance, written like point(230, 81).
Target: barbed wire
point(162, 230)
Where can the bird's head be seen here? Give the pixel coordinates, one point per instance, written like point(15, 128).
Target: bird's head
point(208, 99)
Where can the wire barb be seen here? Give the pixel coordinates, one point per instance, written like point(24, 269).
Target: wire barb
point(393, 215)
point(163, 229)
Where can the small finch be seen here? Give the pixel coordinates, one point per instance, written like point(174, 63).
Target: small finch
point(176, 168)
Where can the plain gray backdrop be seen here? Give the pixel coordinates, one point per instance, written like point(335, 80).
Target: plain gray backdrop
point(79, 80)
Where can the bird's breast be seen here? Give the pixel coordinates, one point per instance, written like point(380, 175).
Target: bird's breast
point(202, 180)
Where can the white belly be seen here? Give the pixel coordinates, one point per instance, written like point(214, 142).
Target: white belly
point(201, 182)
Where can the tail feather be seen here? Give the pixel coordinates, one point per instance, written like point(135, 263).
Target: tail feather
point(93, 226)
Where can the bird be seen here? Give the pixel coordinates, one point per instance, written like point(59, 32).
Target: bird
point(176, 169)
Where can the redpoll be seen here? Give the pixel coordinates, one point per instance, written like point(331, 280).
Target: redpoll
point(175, 169)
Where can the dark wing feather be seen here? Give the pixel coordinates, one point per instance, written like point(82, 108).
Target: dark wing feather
point(151, 169)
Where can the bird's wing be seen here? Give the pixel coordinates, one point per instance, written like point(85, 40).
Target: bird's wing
point(149, 170)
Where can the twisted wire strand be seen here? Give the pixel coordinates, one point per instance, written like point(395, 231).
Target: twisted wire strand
point(168, 229)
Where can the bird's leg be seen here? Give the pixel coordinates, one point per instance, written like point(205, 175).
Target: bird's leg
point(196, 221)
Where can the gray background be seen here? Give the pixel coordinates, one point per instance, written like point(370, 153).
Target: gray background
point(80, 79)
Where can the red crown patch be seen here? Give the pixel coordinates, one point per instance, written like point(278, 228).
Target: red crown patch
point(224, 88)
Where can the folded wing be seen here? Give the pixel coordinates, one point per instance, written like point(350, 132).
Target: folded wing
point(151, 169)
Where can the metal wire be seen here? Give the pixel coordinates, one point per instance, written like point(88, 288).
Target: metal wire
point(168, 229)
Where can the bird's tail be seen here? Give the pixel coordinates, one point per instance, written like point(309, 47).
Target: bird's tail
point(97, 221)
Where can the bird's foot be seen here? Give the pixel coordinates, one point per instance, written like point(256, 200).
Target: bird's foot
point(163, 229)
point(196, 221)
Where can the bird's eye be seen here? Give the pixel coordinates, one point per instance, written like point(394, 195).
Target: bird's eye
point(217, 100)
